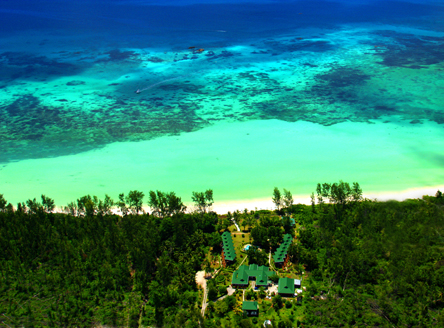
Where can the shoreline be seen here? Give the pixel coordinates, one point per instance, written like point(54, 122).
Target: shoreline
point(267, 204)
point(223, 207)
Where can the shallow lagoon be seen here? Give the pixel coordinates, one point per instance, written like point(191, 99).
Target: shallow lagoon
point(287, 94)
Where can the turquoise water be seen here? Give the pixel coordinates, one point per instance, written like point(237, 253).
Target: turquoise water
point(284, 94)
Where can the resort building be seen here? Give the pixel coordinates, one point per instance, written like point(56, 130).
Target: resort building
point(280, 257)
point(228, 252)
point(242, 276)
point(292, 221)
point(286, 287)
point(250, 308)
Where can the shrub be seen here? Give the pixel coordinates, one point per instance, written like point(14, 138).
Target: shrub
point(222, 290)
point(243, 236)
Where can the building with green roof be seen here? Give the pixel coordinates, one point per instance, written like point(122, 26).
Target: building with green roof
point(286, 287)
point(280, 257)
point(228, 252)
point(292, 221)
point(242, 276)
point(251, 308)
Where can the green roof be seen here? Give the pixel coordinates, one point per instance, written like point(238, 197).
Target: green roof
point(243, 275)
point(281, 252)
point(249, 306)
point(228, 247)
point(286, 286)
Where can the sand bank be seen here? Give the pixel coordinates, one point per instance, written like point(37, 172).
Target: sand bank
point(267, 204)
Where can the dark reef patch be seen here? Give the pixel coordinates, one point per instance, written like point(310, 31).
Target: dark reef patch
point(117, 55)
point(35, 131)
point(155, 60)
point(299, 45)
point(341, 77)
point(24, 65)
point(75, 83)
point(411, 51)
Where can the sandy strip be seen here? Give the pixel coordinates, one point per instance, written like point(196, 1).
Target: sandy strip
point(267, 203)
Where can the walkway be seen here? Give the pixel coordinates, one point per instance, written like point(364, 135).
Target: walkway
point(236, 225)
point(200, 280)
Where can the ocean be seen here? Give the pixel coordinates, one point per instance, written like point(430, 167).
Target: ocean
point(103, 97)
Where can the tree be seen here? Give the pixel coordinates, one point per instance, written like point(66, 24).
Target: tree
point(274, 278)
point(203, 200)
point(255, 256)
point(34, 206)
point(249, 221)
point(48, 203)
point(288, 225)
point(262, 293)
point(275, 236)
point(356, 192)
point(87, 205)
point(277, 198)
point(165, 204)
point(287, 199)
point(207, 266)
point(277, 302)
point(340, 193)
point(72, 209)
point(134, 200)
point(260, 236)
point(212, 292)
point(3, 203)
point(122, 204)
point(105, 206)
point(312, 197)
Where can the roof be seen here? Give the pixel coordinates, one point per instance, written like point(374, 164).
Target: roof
point(249, 306)
point(292, 221)
point(243, 275)
point(286, 286)
point(228, 247)
point(281, 252)
point(240, 276)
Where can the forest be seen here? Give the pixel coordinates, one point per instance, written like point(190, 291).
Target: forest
point(365, 263)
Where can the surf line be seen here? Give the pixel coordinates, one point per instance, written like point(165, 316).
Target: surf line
point(158, 83)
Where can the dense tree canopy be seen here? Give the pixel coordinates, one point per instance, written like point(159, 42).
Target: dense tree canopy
point(366, 263)
point(92, 267)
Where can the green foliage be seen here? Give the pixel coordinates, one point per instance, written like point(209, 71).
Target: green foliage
point(165, 204)
point(256, 256)
point(212, 292)
point(222, 290)
point(268, 233)
point(48, 204)
point(203, 200)
point(262, 293)
point(277, 198)
point(373, 264)
point(274, 278)
point(277, 302)
point(134, 200)
point(287, 200)
point(61, 270)
point(3, 203)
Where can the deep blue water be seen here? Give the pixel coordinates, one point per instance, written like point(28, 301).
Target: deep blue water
point(137, 20)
